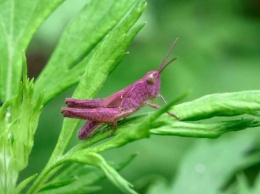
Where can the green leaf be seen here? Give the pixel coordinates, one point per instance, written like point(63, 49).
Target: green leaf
point(24, 183)
point(82, 39)
point(215, 105)
point(243, 186)
point(96, 66)
point(86, 177)
point(96, 160)
point(256, 188)
point(101, 61)
point(72, 188)
point(202, 130)
point(208, 165)
point(18, 120)
point(57, 184)
point(159, 185)
point(223, 104)
point(18, 22)
point(27, 115)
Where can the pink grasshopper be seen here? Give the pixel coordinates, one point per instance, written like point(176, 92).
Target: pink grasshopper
point(119, 105)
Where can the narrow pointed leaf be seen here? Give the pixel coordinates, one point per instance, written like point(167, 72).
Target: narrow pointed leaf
point(22, 185)
point(102, 60)
point(82, 36)
point(96, 160)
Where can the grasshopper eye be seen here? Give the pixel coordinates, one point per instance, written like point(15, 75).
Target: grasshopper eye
point(151, 79)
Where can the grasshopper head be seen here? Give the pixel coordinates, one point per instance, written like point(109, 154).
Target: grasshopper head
point(153, 82)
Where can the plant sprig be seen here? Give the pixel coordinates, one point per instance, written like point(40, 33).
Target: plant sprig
point(96, 41)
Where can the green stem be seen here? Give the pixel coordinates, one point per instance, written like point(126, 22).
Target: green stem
point(47, 172)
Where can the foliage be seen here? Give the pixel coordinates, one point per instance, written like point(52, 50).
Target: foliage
point(96, 40)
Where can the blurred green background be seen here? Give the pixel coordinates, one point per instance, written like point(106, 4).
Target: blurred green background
point(218, 51)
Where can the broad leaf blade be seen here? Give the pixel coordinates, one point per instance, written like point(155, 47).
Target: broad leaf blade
point(79, 39)
point(18, 22)
point(222, 104)
point(97, 65)
point(207, 166)
point(200, 129)
point(102, 60)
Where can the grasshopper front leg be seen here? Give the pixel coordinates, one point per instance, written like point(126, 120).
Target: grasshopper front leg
point(158, 107)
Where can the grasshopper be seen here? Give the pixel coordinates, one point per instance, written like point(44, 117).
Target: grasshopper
point(119, 105)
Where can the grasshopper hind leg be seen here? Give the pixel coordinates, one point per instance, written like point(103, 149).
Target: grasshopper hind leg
point(87, 129)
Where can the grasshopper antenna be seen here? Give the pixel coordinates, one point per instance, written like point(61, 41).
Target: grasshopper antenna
point(163, 65)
